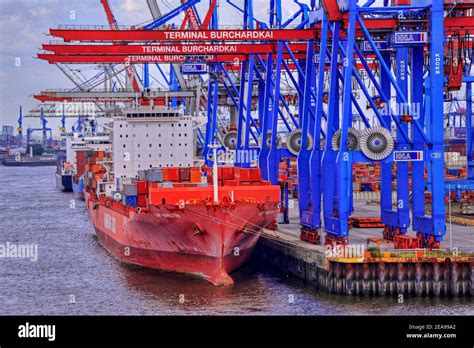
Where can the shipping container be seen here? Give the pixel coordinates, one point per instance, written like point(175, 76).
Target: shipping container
point(142, 187)
point(184, 174)
point(80, 162)
point(173, 174)
point(141, 201)
point(130, 189)
point(195, 176)
point(130, 201)
point(226, 173)
point(141, 175)
point(154, 175)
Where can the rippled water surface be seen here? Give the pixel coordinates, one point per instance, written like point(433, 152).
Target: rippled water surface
point(72, 265)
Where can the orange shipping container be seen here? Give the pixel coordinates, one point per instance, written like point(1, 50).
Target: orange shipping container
point(195, 176)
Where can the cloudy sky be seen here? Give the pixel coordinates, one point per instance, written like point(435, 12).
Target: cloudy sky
point(23, 28)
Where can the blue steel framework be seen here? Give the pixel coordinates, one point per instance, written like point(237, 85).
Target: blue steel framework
point(252, 132)
point(331, 169)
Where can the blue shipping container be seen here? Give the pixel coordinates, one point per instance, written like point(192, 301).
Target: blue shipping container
point(130, 201)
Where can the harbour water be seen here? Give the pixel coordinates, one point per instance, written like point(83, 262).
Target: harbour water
point(74, 275)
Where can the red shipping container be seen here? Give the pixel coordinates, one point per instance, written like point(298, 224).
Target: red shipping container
point(184, 174)
point(173, 174)
point(142, 187)
point(236, 173)
point(255, 174)
point(244, 174)
point(141, 200)
point(80, 162)
point(227, 173)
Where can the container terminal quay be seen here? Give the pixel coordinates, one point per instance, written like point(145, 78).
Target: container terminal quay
point(331, 143)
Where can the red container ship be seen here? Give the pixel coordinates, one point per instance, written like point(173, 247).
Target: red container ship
point(199, 221)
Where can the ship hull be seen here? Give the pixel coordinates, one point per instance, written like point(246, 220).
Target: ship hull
point(78, 189)
point(13, 163)
point(198, 240)
point(64, 182)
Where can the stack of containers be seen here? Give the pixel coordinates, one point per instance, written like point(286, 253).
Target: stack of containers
point(142, 193)
point(153, 175)
point(130, 195)
point(195, 175)
point(235, 176)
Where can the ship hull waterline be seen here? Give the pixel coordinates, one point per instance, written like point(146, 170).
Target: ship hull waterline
point(197, 240)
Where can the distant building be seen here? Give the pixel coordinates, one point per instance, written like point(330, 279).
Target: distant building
point(7, 139)
point(7, 131)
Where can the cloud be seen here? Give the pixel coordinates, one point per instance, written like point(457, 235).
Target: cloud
point(13, 19)
point(131, 12)
point(129, 5)
point(42, 11)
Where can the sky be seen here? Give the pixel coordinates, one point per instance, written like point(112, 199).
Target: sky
point(24, 25)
